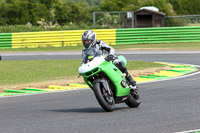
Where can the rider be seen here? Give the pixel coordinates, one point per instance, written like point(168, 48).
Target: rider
point(89, 40)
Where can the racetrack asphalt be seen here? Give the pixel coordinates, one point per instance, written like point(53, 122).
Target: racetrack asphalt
point(167, 106)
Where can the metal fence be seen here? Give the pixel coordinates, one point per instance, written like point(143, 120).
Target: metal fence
point(184, 20)
point(125, 19)
point(115, 19)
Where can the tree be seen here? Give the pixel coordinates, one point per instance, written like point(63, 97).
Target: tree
point(62, 12)
point(47, 3)
point(14, 12)
point(71, 12)
point(22, 11)
point(80, 12)
point(132, 6)
point(186, 7)
point(115, 5)
point(163, 6)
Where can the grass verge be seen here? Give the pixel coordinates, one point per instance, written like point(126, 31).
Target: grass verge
point(40, 72)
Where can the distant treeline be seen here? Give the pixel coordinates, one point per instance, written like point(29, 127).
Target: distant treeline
point(79, 12)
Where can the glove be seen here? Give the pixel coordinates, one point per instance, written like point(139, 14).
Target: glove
point(110, 57)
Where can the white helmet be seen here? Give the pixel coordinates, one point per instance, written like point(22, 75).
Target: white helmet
point(89, 35)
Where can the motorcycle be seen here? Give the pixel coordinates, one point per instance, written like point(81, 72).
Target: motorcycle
point(107, 81)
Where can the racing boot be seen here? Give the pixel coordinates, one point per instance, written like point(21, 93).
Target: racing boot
point(130, 80)
point(132, 84)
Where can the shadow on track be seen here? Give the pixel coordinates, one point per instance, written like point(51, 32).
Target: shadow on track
point(84, 110)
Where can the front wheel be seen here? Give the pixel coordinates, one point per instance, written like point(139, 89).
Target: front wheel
point(105, 99)
point(133, 100)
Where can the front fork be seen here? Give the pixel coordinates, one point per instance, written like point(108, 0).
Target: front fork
point(104, 82)
point(106, 86)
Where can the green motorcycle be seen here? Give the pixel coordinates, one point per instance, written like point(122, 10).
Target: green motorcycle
point(107, 81)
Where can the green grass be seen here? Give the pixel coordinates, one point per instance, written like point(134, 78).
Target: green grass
point(171, 46)
point(140, 65)
point(21, 72)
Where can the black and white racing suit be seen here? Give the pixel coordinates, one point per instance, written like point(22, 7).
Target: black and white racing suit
point(108, 50)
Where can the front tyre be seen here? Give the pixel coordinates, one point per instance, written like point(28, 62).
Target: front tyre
point(133, 100)
point(106, 100)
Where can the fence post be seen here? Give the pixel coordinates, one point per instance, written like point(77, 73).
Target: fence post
point(94, 19)
point(119, 20)
point(132, 20)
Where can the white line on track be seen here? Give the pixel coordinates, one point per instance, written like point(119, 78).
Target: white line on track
point(189, 131)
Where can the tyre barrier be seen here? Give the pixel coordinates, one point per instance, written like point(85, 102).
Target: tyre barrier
point(176, 70)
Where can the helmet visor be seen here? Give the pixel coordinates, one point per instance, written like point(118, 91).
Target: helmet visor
point(87, 43)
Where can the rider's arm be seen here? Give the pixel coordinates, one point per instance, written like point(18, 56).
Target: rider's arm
point(106, 47)
point(83, 56)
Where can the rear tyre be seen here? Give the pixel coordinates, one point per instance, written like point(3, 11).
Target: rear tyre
point(133, 100)
point(106, 100)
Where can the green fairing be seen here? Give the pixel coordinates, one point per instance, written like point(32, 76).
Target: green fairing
point(88, 83)
point(113, 73)
point(115, 77)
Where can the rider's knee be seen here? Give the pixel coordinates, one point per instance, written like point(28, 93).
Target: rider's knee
point(121, 65)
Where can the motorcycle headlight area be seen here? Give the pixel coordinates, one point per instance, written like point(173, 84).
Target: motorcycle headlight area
point(91, 65)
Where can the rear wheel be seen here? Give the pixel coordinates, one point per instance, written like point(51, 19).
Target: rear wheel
point(105, 99)
point(133, 100)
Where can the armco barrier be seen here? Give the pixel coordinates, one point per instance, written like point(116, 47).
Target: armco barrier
point(5, 40)
point(110, 36)
point(157, 35)
point(58, 38)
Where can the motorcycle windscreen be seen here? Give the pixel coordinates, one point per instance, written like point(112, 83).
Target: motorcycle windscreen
point(89, 54)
